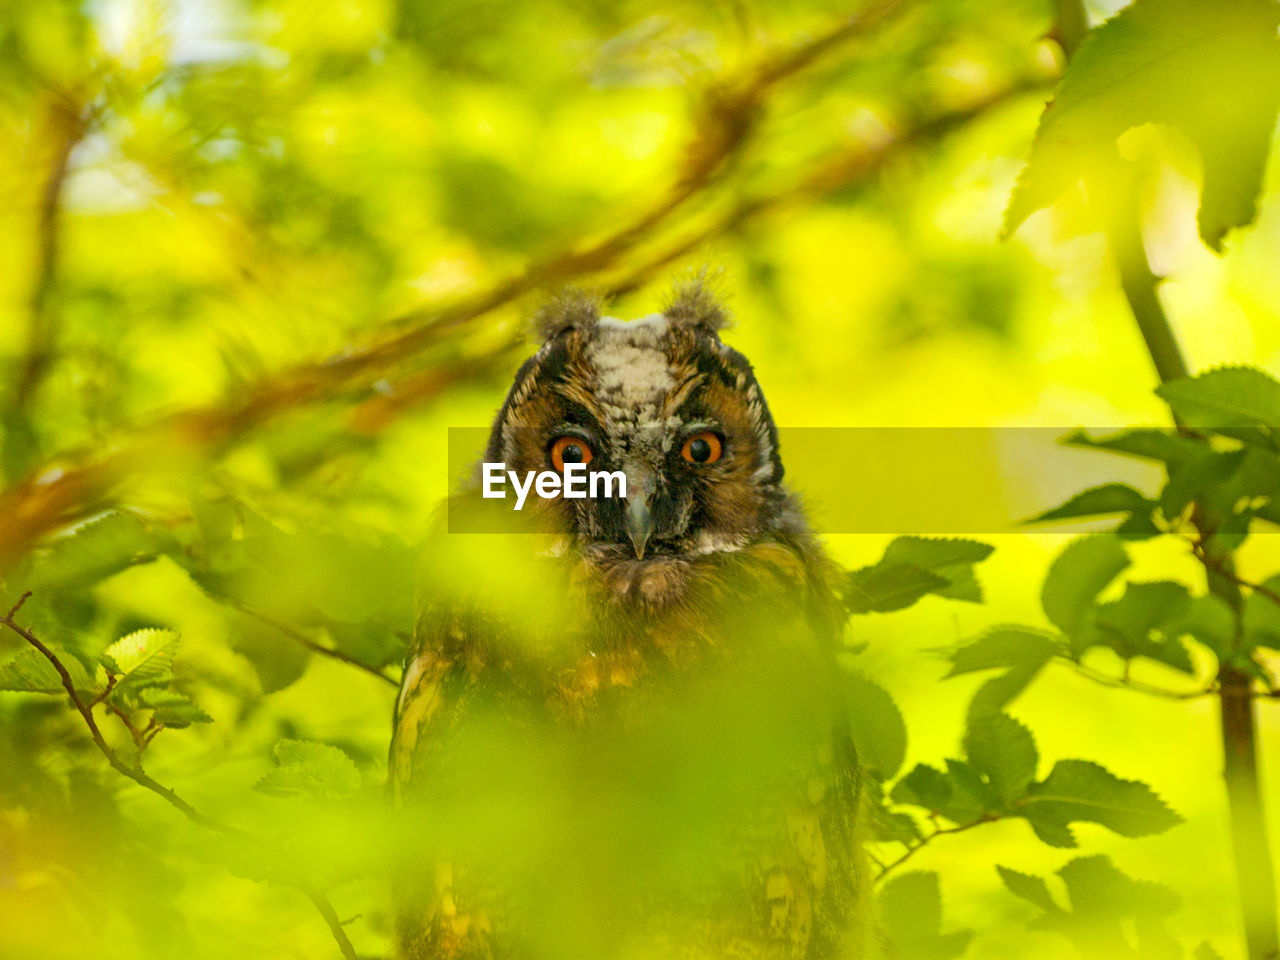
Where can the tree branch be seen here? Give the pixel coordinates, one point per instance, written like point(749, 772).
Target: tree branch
point(69, 123)
point(1255, 873)
point(915, 848)
point(64, 491)
point(139, 776)
point(1127, 683)
point(303, 640)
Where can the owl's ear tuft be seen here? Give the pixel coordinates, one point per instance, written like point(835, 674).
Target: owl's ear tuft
point(570, 309)
point(693, 305)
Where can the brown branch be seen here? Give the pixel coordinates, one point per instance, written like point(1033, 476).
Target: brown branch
point(69, 123)
point(1210, 563)
point(915, 848)
point(849, 167)
point(855, 165)
point(1255, 872)
point(303, 640)
point(63, 492)
point(1128, 683)
point(139, 776)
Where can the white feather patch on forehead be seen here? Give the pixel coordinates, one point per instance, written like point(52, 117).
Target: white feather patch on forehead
point(633, 376)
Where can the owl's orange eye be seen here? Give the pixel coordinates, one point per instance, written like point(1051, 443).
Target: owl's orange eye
point(569, 449)
point(702, 448)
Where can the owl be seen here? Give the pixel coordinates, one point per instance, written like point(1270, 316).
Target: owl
point(620, 731)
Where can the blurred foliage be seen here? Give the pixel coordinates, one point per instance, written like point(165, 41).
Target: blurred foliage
point(257, 255)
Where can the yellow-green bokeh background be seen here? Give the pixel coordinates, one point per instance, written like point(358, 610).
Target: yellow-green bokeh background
point(268, 181)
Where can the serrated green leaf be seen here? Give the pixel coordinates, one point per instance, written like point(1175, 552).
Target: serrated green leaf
point(1081, 791)
point(1209, 68)
point(1098, 501)
point(914, 567)
point(1164, 446)
point(31, 672)
point(1195, 478)
point(935, 553)
point(998, 692)
point(172, 709)
point(880, 589)
point(92, 552)
point(1076, 578)
point(924, 786)
point(1226, 399)
point(1004, 752)
point(1133, 625)
point(911, 913)
point(309, 769)
point(888, 826)
point(971, 797)
point(1028, 887)
point(1003, 646)
point(1097, 889)
point(876, 725)
point(1209, 620)
point(142, 658)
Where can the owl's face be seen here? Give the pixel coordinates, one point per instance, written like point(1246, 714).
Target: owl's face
point(665, 402)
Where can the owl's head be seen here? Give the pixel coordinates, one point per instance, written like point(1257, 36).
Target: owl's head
point(665, 402)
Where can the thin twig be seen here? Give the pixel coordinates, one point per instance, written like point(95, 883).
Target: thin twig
point(1126, 682)
point(1201, 554)
point(303, 640)
point(139, 776)
point(914, 848)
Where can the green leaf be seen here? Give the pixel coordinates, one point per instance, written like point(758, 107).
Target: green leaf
point(1133, 625)
point(1077, 576)
point(142, 658)
point(888, 826)
point(924, 786)
point(1101, 898)
point(172, 709)
point(92, 552)
point(1209, 620)
point(1195, 478)
point(1226, 399)
point(914, 567)
point(30, 671)
point(1028, 887)
point(998, 692)
point(911, 913)
point(1164, 446)
point(278, 660)
point(876, 725)
point(880, 589)
point(1003, 646)
point(1262, 616)
point(1210, 68)
point(1098, 889)
point(935, 554)
point(958, 793)
point(1080, 791)
point(309, 769)
point(1004, 752)
point(1099, 501)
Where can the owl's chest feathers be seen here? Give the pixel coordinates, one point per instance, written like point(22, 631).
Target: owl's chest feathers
point(647, 617)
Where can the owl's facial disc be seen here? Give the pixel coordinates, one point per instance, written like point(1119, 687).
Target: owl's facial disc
point(674, 409)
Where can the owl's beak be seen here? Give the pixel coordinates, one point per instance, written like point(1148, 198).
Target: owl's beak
point(639, 523)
